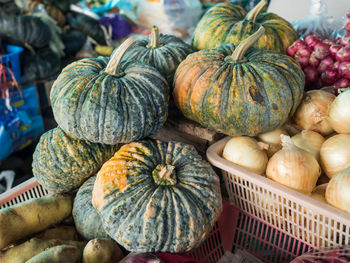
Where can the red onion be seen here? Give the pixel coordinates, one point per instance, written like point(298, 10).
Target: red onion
point(342, 83)
point(313, 61)
point(311, 74)
point(345, 40)
point(303, 61)
point(343, 54)
point(312, 40)
point(335, 65)
point(344, 69)
point(329, 76)
point(303, 52)
point(347, 26)
point(321, 50)
point(295, 46)
point(325, 63)
point(334, 49)
point(329, 42)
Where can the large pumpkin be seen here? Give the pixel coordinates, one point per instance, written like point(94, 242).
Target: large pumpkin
point(164, 52)
point(156, 196)
point(229, 23)
point(118, 102)
point(62, 163)
point(237, 92)
point(24, 30)
point(86, 219)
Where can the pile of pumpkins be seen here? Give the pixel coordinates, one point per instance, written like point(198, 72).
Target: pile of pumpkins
point(150, 195)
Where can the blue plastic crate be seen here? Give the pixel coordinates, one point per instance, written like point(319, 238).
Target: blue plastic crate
point(12, 60)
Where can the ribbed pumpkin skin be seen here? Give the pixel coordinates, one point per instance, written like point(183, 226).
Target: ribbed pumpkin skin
point(165, 58)
point(89, 104)
point(24, 30)
point(87, 220)
point(254, 96)
point(62, 163)
point(143, 216)
point(226, 23)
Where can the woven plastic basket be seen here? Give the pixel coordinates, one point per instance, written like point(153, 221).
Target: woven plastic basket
point(234, 229)
point(301, 217)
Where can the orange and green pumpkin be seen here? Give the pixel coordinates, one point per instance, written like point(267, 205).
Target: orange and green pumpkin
point(230, 23)
point(110, 103)
point(62, 163)
point(239, 92)
point(164, 52)
point(86, 219)
point(156, 196)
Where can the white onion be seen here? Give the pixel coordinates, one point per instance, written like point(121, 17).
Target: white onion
point(319, 193)
point(338, 191)
point(312, 113)
point(273, 139)
point(335, 154)
point(246, 152)
point(309, 141)
point(339, 113)
point(293, 167)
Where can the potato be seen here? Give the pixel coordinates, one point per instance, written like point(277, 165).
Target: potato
point(58, 254)
point(34, 246)
point(59, 232)
point(32, 216)
point(102, 251)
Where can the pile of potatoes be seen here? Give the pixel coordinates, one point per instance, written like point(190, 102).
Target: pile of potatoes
point(40, 230)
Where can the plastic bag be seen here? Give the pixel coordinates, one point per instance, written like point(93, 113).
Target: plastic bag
point(176, 17)
point(319, 23)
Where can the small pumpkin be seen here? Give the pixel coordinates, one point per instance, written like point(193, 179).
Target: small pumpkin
point(62, 163)
point(87, 220)
point(73, 40)
point(90, 27)
point(41, 65)
point(239, 92)
point(230, 23)
point(24, 30)
point(119, 102)
point(156, 196)
point(164, 52)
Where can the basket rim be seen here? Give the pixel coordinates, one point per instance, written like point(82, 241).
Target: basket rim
point(214, 153)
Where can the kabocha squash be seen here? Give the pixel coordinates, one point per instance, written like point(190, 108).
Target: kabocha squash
point(87, 220)
point(119, 102)
point(239, 92)
point(229, 23)
point(156, 196)
point(73, 41)
point(90, 27)
point(62, 163)
point(164, 52)
point(24, 30)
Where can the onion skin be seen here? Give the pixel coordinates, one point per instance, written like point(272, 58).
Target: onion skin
point(334, 49)
point(293, 167)
point(273, 139)
point(312, 40)
point(338, 191)
point(329, 76)
point(247, 153)
point(312, 112)
point(343, 54)
point(313, 61)
point(309, 141)
point(303, 52)
point(344, 69)
point(339, 113)
point(325, 63)
point(335, 154)
point(342, 83)
point(321, 50)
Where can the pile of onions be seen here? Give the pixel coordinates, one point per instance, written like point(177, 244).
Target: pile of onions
point(319, 193)
point(338, 190)
point(335, 154)
point(246, 152)
point(312, 113)
point(339, 113)
point(293, 167)
point(273, 140)
point(309, 141)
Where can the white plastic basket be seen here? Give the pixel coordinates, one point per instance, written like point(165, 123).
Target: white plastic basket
point(308, 220)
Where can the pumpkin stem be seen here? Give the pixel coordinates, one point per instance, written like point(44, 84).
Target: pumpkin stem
point(164, 174)
point(114, 62)
point(256, 10)
point(155, 38)
point(246, 43)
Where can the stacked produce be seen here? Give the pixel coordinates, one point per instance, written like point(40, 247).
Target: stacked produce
point(325, 62)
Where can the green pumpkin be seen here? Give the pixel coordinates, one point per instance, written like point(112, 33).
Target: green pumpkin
point(156, 196)
point(164, 52)
point(230, 23)
point(87, 220)
point(24, 30)
point(73, 40)
point(62, 163)
point(90, 27)
point(239, 92)
point(119, 102)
